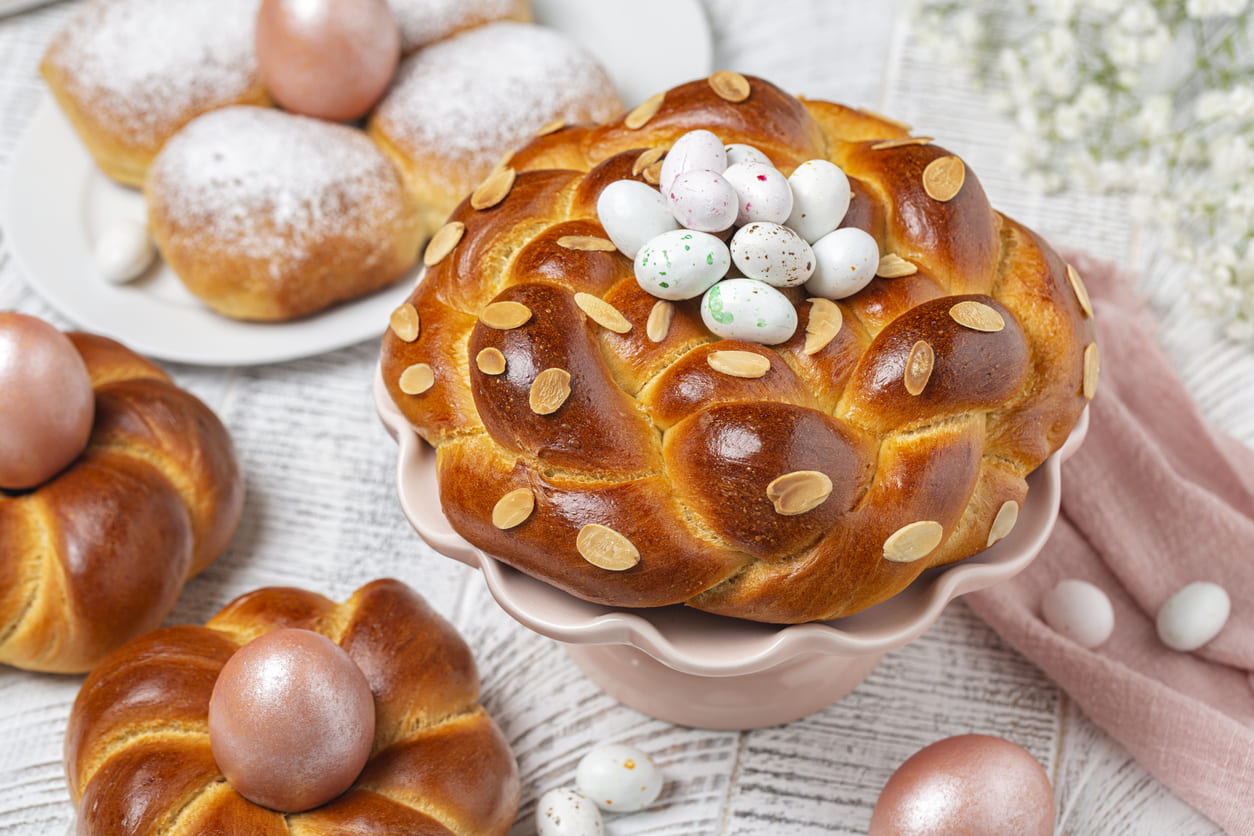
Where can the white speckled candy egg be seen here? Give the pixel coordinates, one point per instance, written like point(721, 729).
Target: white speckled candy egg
point(772, 253)
point(619, 778)
point(749, 310)
point(1193, 616)
point(633, 213)
point(738, 152)
point(703, 200)
point(820, 198)
point(1080, 611)
point(123, 251)
point(681, 264)
point(762, 191)
point(845, 261)
point(698, 150)
point(564, 812)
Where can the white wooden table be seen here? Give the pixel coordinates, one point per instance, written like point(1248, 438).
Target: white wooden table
point(322, 514)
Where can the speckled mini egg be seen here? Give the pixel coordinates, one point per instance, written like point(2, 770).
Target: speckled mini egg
point(820, 198)
point(1080, 611)
point(703, 200)
point(565, 812)
point(698, 150)
point(632, 213)
point(1193, 616)
point(738, 152)
point(762, 191)
point(123, 251)
point(969, 785)
point(618, 778)
point(845, 261)
point(772, 253)
point(681, 264)
point(749, 310)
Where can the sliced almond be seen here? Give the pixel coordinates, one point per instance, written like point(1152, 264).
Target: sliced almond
point(919, 367)
point(913, 542)
point(730, 86)
point(643, 112)
point(513, 508)
point(800, 491)
point(646, 159)
point(660, 317)
point(605, 548)
point(1081, 292)
point(653, 174)
point(977, 316)
point(549, 391)
point(746, 364)
point(1092, 367)
point(893, 266)
point(404, 322)
point(823, 326)
point(504, 315)
point(551, 127)
point(443, 242)
point(602, 313)
point(943, 178)
point(490, 361)
point(494, 189)
point(885, 144)
point(587, 243)
point(417, 379)
point(1007, 516)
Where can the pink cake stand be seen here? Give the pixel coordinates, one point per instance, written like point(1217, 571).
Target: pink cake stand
point(707, 671)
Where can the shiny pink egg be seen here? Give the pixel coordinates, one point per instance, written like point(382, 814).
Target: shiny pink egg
point(331, 59)
point(291, 720)
point(969, 785)
point(46, 402)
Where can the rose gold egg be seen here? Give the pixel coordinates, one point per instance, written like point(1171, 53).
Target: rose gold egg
point(46, 402)
point(291, 720)
point(969, 785)
point(331, 59)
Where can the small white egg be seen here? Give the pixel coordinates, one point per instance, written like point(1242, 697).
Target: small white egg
point(738, 152)
point(772, 253)
point(564, 812)
point(123, 251)
point(698, 150)
point(632, 213)
point(1193, 616)
point(762, 191)
point(749, 310)
point(820, 198)
point(845, 261)
point(681, 264)
point(704, 201)
point(618, 778)
point(1080, 611)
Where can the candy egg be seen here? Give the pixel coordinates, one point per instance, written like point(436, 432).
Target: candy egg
point(702, 200)
point(969, 785)
point(845, 261)
point(331, 59)
point(632, 213)
point(48, 404)
point(772, 253)
point(738, 152)
point(696, 150)
point(749, 310)
point(1193, 616)
point(123, 251)
point(564, 812)
point(820, 198)
point(681, 264)
point(1080, 611)
point(762, 192)
point(618, 778)
point(291, 720)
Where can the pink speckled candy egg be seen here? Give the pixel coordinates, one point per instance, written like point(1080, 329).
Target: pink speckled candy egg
point(291, 720)
point(704, 201)
point(969, 785)
point(694, 151)
point(763, 192)
point(46, 402)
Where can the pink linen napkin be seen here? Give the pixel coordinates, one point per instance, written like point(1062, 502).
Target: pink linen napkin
point(1153, 500)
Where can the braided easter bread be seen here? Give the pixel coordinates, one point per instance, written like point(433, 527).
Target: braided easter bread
point(137, 748)
point(642, 461)
point(100, 553)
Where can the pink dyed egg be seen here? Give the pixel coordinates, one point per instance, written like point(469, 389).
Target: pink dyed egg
point(331, 59)
point(291, 720)
point(969, 785)
point(46, 402)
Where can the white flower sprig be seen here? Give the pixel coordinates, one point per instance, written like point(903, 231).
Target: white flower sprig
point(1154, 98)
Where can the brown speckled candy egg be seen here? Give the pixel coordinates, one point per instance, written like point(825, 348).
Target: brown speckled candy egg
point(46, 401)
point(969, 785)
point(291, 720)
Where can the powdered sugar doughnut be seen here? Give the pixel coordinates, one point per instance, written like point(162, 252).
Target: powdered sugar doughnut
point(424, 22)
point(268, 215)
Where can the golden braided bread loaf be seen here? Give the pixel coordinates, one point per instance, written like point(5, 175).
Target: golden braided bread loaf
point(925, 399)
point(100, 553)
point(137, 748)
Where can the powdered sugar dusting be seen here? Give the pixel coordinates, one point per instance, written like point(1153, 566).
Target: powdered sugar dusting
point(426, 21)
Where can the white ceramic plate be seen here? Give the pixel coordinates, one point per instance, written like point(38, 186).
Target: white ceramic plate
point(58, 202)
